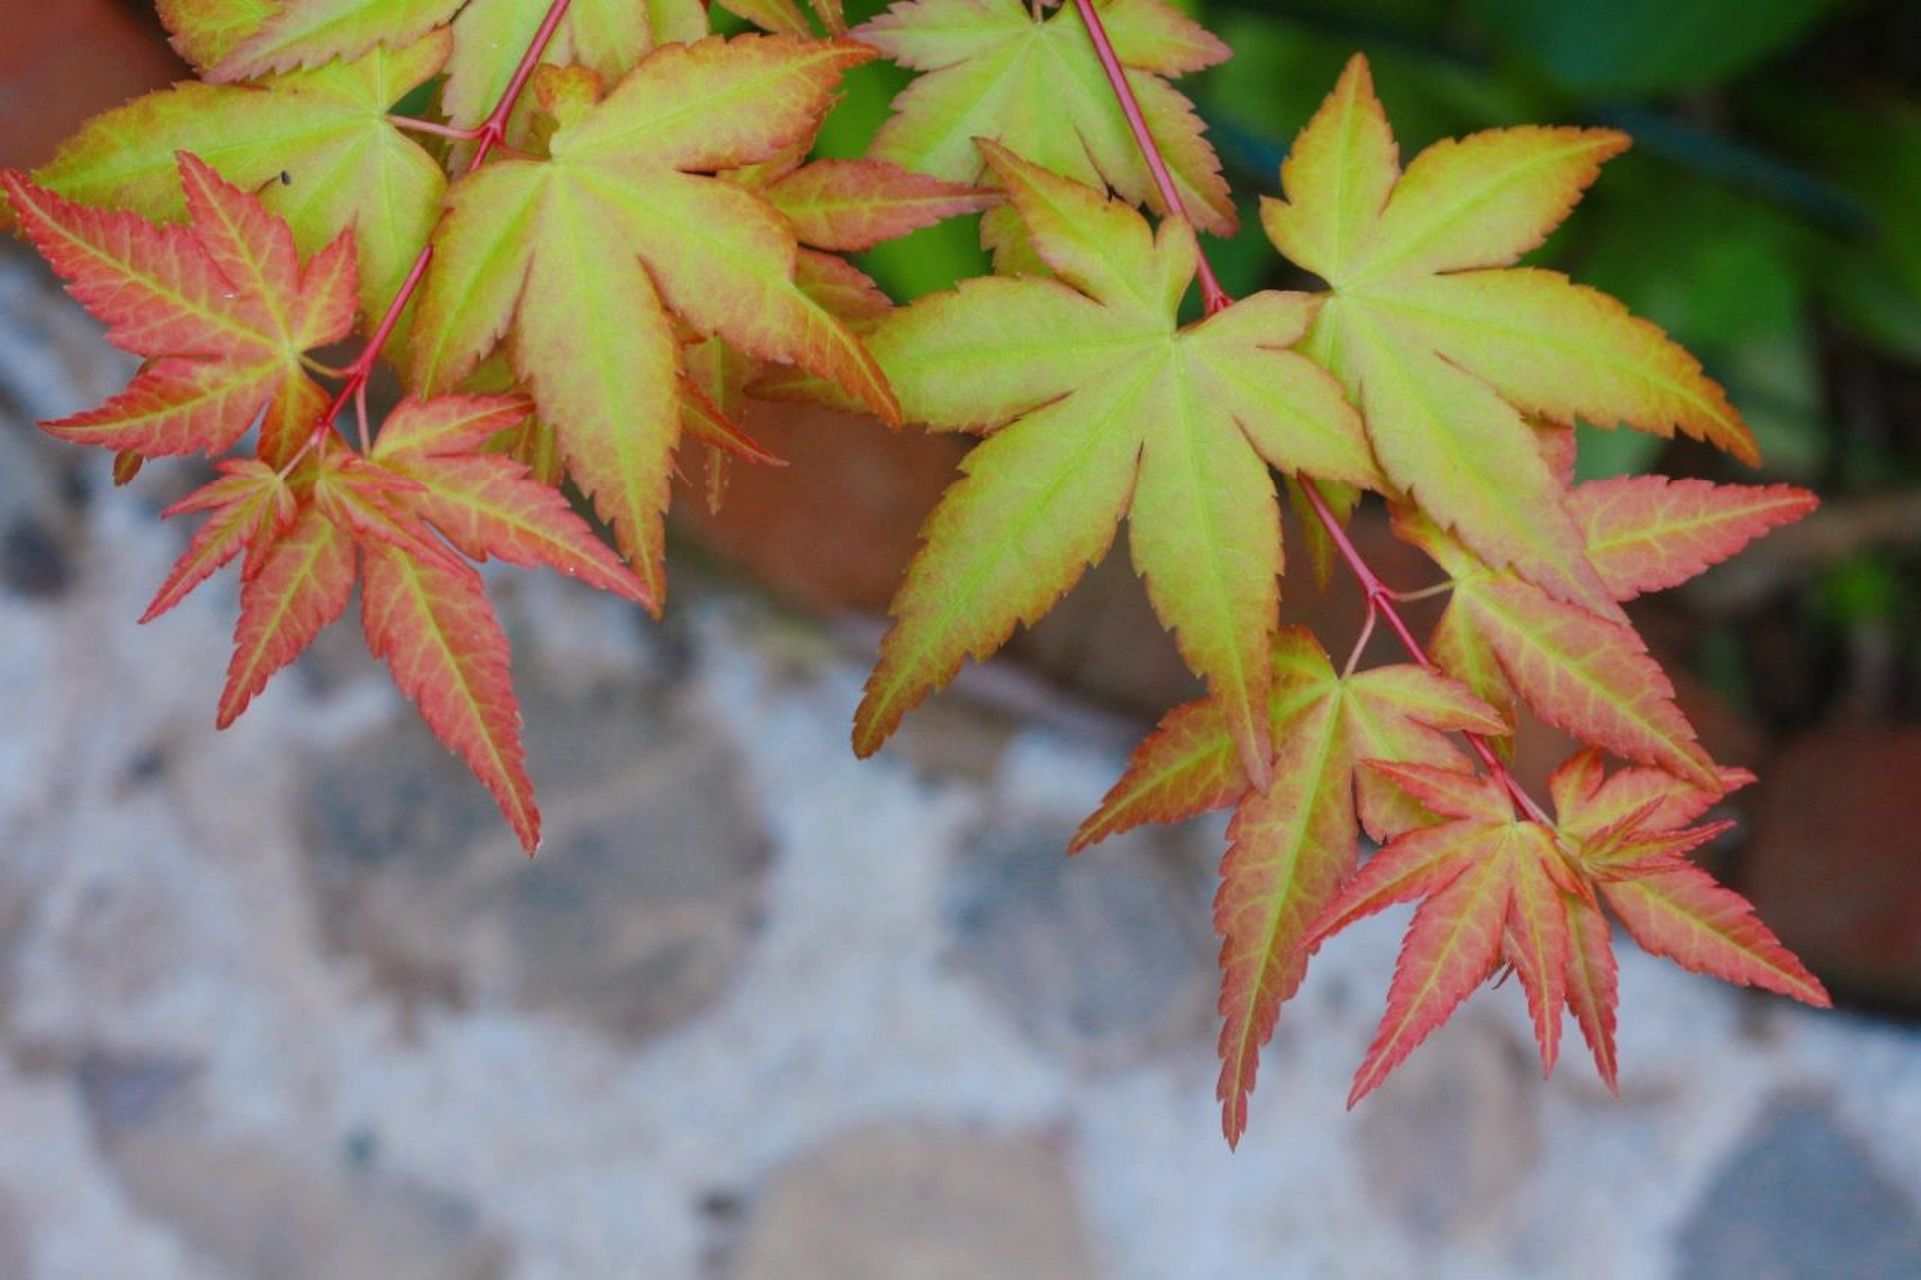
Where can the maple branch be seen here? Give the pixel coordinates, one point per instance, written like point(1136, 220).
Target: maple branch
point(488, 135)
point(1380, 598)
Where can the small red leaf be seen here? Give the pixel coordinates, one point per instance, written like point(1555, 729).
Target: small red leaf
point(219, 305)
point(1647, 533)
point(1592, 987)
point(853, 205)
point(1452, 942)
point(251, 505)
point(438, 635)
point(302, 583)
point(1537, 936)
point(1700, 925)
point(1188, 766)
point(447, 425)
point(490, 505)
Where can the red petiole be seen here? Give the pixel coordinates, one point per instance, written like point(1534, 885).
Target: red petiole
point(487, 136)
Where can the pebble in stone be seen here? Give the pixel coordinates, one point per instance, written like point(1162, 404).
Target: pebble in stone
point(1801, 1199)
point(123, 1092)
point(913, 1204)
point(262, 1212)
point(1451, 1138)
point(635, 915)
point(32, 562)
point(1104, 957)
point(14, 1243)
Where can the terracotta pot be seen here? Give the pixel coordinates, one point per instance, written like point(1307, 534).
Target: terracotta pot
point(63, 62)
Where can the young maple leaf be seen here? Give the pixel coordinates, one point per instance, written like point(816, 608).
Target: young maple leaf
point(1447, 346)
point(489, 505)
point(1585, 673)
point(1189, 765)
point(307, 33)
point(1670, 908)
point(220, 307)
point(1099, 407)
point(317, 145)
point(1649, 533)
point(1491, 884)
point(609, 37)
point(382, 519)
point(1494, 888)
point(1034, 84)
point(248, 508)
point(623, 224)
point(1292, 846)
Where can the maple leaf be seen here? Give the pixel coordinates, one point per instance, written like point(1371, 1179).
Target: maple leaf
point(1292, 845)
point(1099, 406)
point(1589, 802)
point(435, 630)
point(622, 224)
point(317, 146)
point(220, 307)
point(1447, 346)
point(303, 582)
point(1580, 671)
point(307, 33)
point(609, 37)
point(206, 31)
point(1491, 885)
point(1648, 533)
point(1189, 765)
point(426, 613)
point(1034, 84)
point(1670, 908)
point(489, 505)
point(250, 506)
point(852, 205)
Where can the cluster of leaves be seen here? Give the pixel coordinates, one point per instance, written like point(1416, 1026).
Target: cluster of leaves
point(638, 242)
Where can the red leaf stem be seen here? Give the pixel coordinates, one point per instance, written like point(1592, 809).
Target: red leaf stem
point(1215, 297)
point(1380, 599)
point(489, 135)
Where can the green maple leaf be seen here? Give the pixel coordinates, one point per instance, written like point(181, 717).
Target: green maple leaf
point(609, 37)
point(1099, 406)
point(309, 33)
point(995, 70)
point(1448, 347)
point(317, 145)
point(586, 261)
